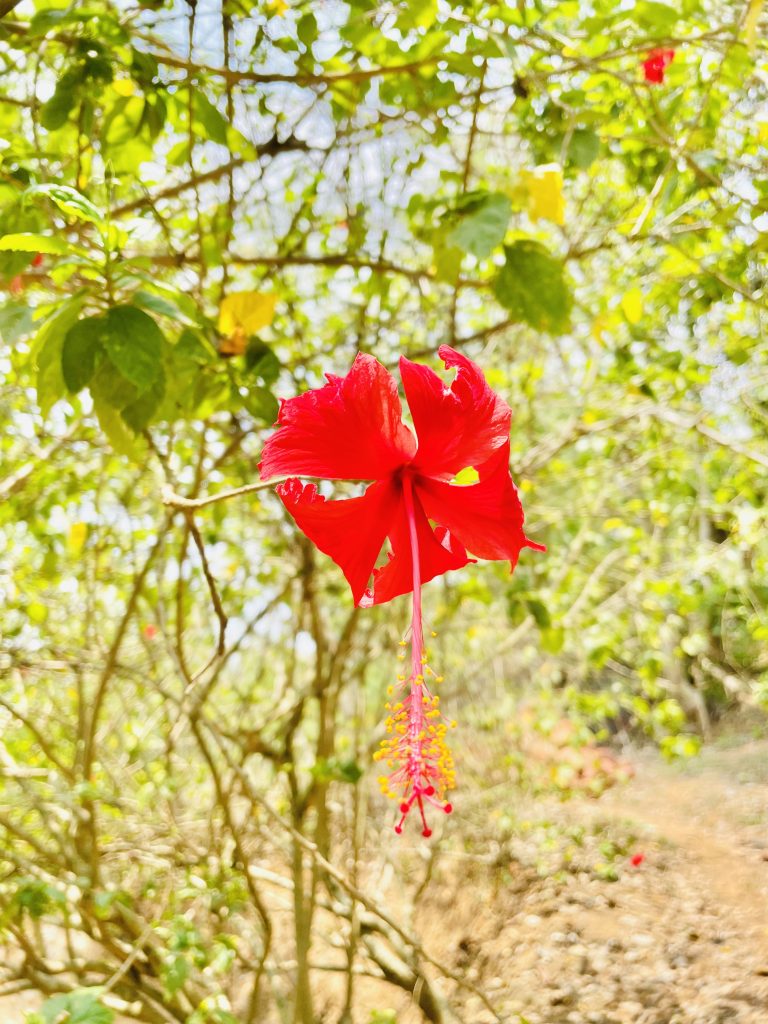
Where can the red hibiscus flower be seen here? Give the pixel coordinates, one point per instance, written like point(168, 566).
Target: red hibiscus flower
point(352, 429)
point(656, 63)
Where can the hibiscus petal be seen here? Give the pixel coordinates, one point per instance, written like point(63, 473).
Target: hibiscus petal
point(457, 426)
point(438, 552)
point(351, 531)
point(486, 517)
point(350, 429)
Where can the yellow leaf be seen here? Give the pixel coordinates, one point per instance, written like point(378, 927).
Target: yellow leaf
point(469, 475)
point(241, 315)
point(751, 23)
point(76, 538)
point(677, 264)
point(124, 87)
point(249, 311)
point(37, 612)
point(632, 305)
point(599, 327)
point(545, 193)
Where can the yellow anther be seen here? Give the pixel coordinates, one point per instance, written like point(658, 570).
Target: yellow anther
point(434, 633)
point(402, 643)
point(401, 679)
point(439, 679)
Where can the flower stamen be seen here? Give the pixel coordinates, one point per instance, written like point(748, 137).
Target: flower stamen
point(421, 766)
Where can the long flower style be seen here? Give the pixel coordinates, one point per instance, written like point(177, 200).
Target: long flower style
point(352, 429)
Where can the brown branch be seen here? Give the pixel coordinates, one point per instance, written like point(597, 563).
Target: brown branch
point(353, 891)
point(327, 260)
point(218, 607)
point(17, 480)
point(175, 190)
point(114, 650)
point(234, 77)
point(44, 745)
point(173, 500)
point(272, 148)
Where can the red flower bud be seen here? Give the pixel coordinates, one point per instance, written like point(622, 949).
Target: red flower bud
point(656, 63)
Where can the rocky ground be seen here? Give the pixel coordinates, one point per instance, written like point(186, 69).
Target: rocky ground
point(648, 907)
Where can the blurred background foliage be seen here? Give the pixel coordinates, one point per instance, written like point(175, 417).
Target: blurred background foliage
point(208, 205)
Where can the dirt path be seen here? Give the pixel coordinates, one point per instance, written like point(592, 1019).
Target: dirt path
point(681, 937)
point(649, 906)
point(715, 812)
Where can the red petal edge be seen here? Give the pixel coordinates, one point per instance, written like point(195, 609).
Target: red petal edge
point(351, 531)
point(349, 429)
point(486, 517)
point(464, 424)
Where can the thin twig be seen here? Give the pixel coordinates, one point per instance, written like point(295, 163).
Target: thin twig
point(173, 500)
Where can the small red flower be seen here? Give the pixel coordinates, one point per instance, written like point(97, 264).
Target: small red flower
point(637, 859)
point(150, 631)
point(352, 429)
point(38, 260)
point(656, 63)
point(16, 287)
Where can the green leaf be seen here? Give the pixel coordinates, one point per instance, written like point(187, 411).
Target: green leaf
point(533, 287)
point(583, 148)
point(306, 29)
point(657, 17)
point(483, 226)
point(261, 361)
point(55, 112)
point(447, 258)
point(48, 347)
point(80, 350)
point(80, 1007)
point(15, 321)
point(155, 304)
point(176, 973)
point(134, 343)
point(552, 640)
point(111, 422)
point(139, 413)
point(261, 403)
point(25, 241)
point(69, 201)
point(214, 122)
point(540, 613)
point(109, 386)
